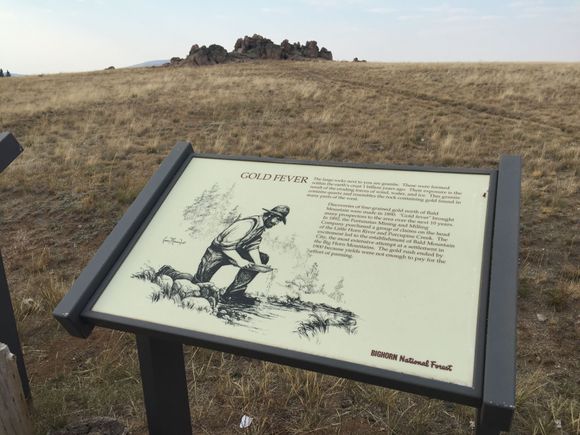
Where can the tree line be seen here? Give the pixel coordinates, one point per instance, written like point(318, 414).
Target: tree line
point(7, 74)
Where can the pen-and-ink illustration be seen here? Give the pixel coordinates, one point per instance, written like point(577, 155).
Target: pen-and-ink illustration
point(239, 245)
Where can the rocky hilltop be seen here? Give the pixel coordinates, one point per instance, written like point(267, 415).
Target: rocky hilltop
point(251, 48)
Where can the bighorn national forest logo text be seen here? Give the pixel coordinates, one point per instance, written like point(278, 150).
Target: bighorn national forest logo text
point(432, 364)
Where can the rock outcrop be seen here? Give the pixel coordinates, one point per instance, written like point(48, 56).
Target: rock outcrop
point(251, 48)
point(325, 54)
point(257, 47)
point(203, 55)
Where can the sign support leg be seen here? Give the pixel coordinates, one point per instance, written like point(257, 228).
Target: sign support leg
point(8, 331)
point(499, 384)
point(485, 426)
point(164, 386)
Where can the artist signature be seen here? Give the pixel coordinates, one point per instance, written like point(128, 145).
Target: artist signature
point(173, 241)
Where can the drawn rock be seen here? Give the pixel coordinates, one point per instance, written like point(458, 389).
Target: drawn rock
point(209, 290)
point(212, 293)
point(164, 281)
point(185, 288)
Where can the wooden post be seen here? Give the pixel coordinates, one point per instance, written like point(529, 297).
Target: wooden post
point(14, 418)
point(8, 330)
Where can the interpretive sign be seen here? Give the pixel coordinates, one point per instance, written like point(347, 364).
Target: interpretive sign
point(376, 267)
point(380, 274)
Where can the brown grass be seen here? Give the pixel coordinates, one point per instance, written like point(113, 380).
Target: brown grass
point(92, 140)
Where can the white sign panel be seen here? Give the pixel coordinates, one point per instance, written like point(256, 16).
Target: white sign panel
point(376, 267)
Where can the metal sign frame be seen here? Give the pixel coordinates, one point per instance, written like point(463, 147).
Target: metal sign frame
point(9, 149)
point(160, 346)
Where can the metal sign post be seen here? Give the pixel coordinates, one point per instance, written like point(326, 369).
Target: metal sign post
point(164, 385)
point(9, 150)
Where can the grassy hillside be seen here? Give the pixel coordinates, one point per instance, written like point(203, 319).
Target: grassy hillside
point(92, 141)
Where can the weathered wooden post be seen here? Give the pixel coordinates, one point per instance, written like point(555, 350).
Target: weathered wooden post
point(14, 418)
point(8, 330)
point(9, 150)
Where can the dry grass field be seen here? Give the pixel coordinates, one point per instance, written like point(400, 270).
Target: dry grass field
point(92, 140)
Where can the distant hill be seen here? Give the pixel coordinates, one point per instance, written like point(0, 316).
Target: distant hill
point(150, 63)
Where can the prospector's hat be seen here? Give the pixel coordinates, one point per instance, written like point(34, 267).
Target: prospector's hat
point(280, 211)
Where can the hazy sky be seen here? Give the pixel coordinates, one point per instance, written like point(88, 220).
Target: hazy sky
point(42, 36)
